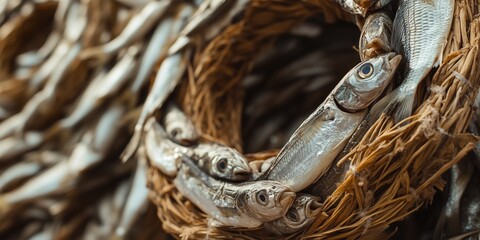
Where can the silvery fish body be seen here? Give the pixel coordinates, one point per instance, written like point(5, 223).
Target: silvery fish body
point(246, 204)
point(375, 36)
point(301, 214)
point(320, 138)
point(420, 31)
point(217, 160)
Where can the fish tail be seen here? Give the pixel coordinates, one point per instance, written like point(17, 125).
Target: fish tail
point(398, 101)
point(132, 146)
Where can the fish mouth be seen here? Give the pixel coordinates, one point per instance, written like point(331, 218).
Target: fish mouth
point(241, 172)
point(313, 208)
point(286, 199)
point(393, 60)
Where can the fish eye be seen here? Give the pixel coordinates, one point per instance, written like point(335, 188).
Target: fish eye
point(222, 164)
point(176, 131)
point(293, 216)
point(365, 71)
point(262, 197)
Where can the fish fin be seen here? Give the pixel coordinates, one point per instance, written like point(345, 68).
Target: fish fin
point(401, 103)
point(405, 106)
point(439, 58)
point(384, 105)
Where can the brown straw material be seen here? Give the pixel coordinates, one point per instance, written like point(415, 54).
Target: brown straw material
point(394, 170)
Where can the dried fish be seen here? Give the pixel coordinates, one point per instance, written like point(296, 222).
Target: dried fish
point(375, 37)
point(103, 87)
point(220, 11)
point(421, 43)
point(14, 146)
point(179, 127)
point(302, 213)
point(217, 160)
point(32, 164)
point(449, 220)
point(246, 204)
point(138, 26)
point(137, 200)
point(316, 143)
point(170, 72)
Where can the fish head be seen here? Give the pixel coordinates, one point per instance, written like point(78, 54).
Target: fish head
point(364, 83)
point(268, 200)
point(227, 163)
point(184, 134)
point(307, 206)
point(375, 37)
point(353, 7)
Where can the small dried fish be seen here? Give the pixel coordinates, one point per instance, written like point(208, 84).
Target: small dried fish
point(220, 11)
point(42, 102)
point(14, 146)
point(302, 213)
point(138, 26)
point(137, 200)
point(449, 220)
point(97, 142)
point(312, 148)
point(32, 164)
point(421, 43)
point(170, 72)
point(217, 160)
point(375, 37)
point(246, 204)
point(53, 180)
point(179, 127)
point(103, 87)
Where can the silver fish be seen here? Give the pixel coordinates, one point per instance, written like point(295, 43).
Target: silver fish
point(30, 165)
point(157, 44)
point(375, 36)
point(421, 43)
point(217, 160)
point(246, 204)
point(315, 144)
point(14, 146)
point(137, 201)
point(179, 127)
point(138, 26)
point(448, 223)
point(221, 12)
point(302, 213)
point(168, 76)
point(103, 87)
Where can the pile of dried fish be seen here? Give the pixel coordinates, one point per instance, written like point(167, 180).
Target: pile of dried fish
point(107, 104)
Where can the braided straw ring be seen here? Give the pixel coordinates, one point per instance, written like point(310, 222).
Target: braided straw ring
point(394, 169)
